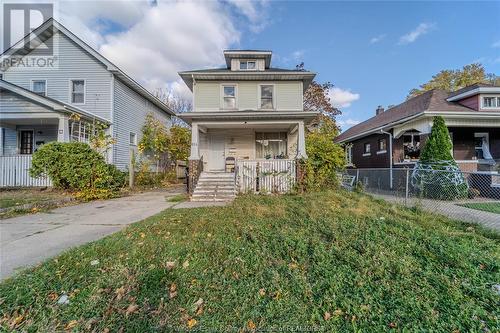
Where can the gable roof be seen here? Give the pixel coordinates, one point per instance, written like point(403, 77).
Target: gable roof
point(47, 29)
point(431, 101)
point(51, 103)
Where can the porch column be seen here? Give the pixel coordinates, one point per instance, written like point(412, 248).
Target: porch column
point(63, 129)
point(301, 144)
point(1, 141)
point(195, 142)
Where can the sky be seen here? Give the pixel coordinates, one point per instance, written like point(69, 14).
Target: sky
point(373, 52)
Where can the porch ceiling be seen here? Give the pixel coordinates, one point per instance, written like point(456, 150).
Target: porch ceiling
point(275, 127)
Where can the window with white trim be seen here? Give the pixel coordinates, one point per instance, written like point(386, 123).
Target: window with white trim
point(229, 98)
point(382, 145)
point(490, 102)
point(77, 91)
point(80, 131)
point(132, 139)
point(367, 147)
point(266, 96)
point(348, 154)
point(39, 87)
point(248, 65)
point(411, 145)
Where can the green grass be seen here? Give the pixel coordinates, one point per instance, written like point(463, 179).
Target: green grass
point(41, 200)
point(178, 198)
point(269, 262)
point(492, 207)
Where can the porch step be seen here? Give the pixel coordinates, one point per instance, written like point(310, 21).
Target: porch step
point(214, 186)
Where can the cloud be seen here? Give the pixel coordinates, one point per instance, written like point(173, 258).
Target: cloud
point(341, 98)
point(421, 29)
point(377, 39)
point(496, 44)
point(153, 40)
point(348, 122)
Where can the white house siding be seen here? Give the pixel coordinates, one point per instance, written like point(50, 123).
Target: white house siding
point(74, 63)
point(130, 110)
point(288, 95)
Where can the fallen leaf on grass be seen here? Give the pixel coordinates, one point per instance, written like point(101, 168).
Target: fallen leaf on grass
point(17, 320)
point(327, 316)
point(262, 292)
point(132, 308)
point(143, 235)
point(251, 325)
point(173, 290)
point(170, 265)
point(185, 264)
point(53, 296)
point(338, 312)
point(199, 306)
point(191, 323)
point(71, 325)
point(393, 325)
point(120, 292)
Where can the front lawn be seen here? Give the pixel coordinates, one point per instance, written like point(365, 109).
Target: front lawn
point(14, 202)
point(330, 261)
point(492, 207)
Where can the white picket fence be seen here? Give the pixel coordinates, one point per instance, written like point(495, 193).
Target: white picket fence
point(14, 172)
point(266, 176)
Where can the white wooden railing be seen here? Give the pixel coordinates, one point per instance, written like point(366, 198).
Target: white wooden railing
point(265, 176)
point(14, 172)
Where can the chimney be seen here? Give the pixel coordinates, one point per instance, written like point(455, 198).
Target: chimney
point(379, 110)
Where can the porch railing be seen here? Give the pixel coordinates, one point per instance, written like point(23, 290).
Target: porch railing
point(14, 172)
point(266, 176)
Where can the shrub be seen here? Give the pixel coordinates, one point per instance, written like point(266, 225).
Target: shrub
point(325, 158)
point(75, 166)
point(437, 175)
point(147, 178)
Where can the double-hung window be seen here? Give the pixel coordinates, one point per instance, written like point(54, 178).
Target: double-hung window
point(266, 96)
point(229, 99)
point(39, 87)
point(348, 154)
point(132, 139)
point(382, 146)
point(367, 148)
point(77, 91)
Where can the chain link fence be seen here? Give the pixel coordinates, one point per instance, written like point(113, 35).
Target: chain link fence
point(465, 196)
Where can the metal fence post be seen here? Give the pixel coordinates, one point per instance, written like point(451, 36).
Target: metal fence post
point(406, 187)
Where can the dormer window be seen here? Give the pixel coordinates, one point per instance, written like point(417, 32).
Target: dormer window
point(491, 102)
point(248, 65)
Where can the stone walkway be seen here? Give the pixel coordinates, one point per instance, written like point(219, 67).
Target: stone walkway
point(450, 209)
point(30, 239)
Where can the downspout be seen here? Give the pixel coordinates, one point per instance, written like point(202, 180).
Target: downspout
point(390, 155)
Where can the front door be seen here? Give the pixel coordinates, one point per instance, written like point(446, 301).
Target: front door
point(216, 155)
point(26, 142)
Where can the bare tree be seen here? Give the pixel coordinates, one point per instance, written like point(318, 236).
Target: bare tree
point(177, 104)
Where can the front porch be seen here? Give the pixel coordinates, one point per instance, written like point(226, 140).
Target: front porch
point(261, 155)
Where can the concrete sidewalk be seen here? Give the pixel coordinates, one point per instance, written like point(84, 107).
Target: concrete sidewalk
point(30, 239)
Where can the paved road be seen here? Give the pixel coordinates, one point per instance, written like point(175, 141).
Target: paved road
point(27, 240)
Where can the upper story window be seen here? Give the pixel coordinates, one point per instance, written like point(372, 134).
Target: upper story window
point(266, 96)
point(39, 87)
point(248, 65)
point(348, 154)
point(229, 99)
point(491, 102)
point(77, 91)
point(132, 140)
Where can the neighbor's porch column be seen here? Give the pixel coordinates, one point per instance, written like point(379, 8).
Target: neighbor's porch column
point(195, 142)
point(301, 141)
point(63, 129)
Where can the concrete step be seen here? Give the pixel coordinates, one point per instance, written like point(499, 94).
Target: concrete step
point(215, 188)
point(211, 199)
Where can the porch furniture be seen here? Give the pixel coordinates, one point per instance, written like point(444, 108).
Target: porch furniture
point(347, 181)
point(230, 164)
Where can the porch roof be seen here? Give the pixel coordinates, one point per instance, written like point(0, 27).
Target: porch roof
point(248, 115)
point(50, 103)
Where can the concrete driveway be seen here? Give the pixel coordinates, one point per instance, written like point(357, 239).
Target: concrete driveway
point(27, 240)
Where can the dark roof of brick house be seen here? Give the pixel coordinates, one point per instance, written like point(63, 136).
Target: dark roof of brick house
point(469, 88)
point(433, 100)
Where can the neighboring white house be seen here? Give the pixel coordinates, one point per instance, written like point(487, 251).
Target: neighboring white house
point(36, 104)
point(247, 117)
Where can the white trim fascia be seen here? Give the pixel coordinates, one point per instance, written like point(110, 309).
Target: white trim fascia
point(366, 154)
point(70, 99)
point(380, 152)
point(479, 90)
point(462, 114)
point(33, 80)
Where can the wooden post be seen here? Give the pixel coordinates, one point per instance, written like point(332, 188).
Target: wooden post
point(131, 169)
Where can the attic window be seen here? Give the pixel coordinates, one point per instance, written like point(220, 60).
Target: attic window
point(247, 65)
point(491, 102)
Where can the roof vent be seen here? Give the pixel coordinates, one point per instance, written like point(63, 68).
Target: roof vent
point(379, 110)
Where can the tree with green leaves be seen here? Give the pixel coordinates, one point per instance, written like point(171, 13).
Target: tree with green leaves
point(454, 79)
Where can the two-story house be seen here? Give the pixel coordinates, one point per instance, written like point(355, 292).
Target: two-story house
point(39, 104)
point(247, 121)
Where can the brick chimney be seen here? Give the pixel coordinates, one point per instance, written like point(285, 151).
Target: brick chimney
point(379, 110)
